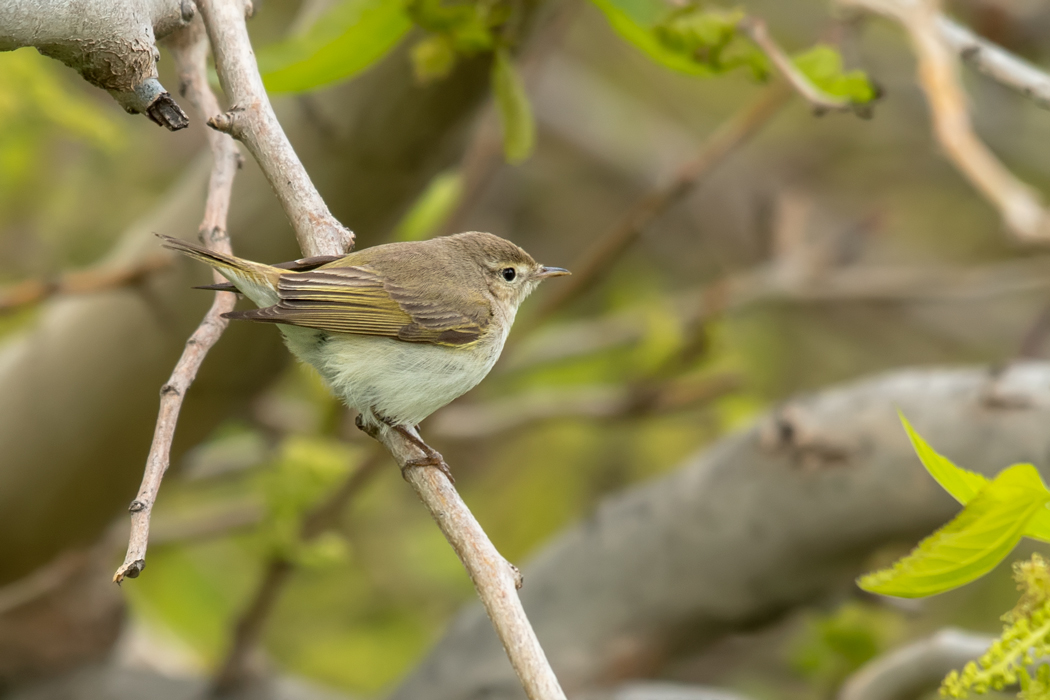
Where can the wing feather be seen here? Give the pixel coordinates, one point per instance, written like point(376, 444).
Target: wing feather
point(354, 299)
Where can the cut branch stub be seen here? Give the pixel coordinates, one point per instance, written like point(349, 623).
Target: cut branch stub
point(114, 50)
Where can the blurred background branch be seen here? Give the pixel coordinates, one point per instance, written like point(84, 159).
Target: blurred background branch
point(34, 291)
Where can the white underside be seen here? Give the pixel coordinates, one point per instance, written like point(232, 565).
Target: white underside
point(402, 382)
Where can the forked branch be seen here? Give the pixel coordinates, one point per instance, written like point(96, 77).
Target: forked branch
point(1018, 203)
point(252, 121)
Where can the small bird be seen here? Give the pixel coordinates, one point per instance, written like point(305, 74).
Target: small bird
point(397, 330)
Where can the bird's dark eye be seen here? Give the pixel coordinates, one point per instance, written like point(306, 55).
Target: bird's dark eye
point(509, 273)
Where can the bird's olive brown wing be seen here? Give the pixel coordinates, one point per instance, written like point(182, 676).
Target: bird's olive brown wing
point(357, 300)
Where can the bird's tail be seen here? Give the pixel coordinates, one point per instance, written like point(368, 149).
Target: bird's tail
point(256, 281)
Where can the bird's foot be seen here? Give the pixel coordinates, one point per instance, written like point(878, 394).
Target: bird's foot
point(432, 457)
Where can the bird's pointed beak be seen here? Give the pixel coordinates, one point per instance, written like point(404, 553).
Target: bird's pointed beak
point(546, 272)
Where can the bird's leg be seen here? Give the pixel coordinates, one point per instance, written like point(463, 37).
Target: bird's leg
point(433, 458)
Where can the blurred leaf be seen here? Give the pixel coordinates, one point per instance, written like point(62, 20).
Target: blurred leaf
point(433, 58)
point(431, 208)
point(519, 129)
point(34, 102)
point(193, 592)
point(305, 471)
point(467, 26)
point(690, 39)
point(823, 66)
point(325, 551)
point(708, 37)
point(963, 484)
point(833, 646)
point(346, 40)
point(643, 38)
point(971, 544)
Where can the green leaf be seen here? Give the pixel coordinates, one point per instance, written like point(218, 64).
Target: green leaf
point(631, 29)
point(971, 544)
point(431, 208)
point(963, 484)
point(823, 66)
point(346, 40)
point(519, 129)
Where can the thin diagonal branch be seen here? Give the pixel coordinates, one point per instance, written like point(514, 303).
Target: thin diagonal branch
point(495, 579)
point(189, 47)
point(252, 121)
point(597, 260)
point(235, 669)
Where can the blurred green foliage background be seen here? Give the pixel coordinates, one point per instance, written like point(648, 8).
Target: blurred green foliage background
point(371, 595)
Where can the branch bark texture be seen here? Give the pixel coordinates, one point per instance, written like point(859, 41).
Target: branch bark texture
point(252, 121)
point(495, 579)
point(780, 515)
point(111, 43)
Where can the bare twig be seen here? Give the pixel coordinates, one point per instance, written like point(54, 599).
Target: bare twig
point(189, 48)
point(1018, 203)
point(996, 62)
point(756, 30)
point(596, 261)
point(252, 121)
point(236, 667)
point(914, 669)
point(88, 281)
point(495, 579)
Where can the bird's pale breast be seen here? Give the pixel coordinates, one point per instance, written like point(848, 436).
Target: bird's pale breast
point(404, 382)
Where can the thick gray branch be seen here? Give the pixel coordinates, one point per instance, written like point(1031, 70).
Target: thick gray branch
point(112, 43)
point(763, 521)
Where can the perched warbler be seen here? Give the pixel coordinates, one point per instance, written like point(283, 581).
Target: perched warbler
point(397, 330)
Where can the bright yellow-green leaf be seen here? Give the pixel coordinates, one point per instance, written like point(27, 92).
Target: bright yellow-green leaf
point(963, 484)
point(519, 129)
point(823, 66)
point(1039, 526)
point(971, 544)
point(347, 39)
point(643, 38)
point(431, 209)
